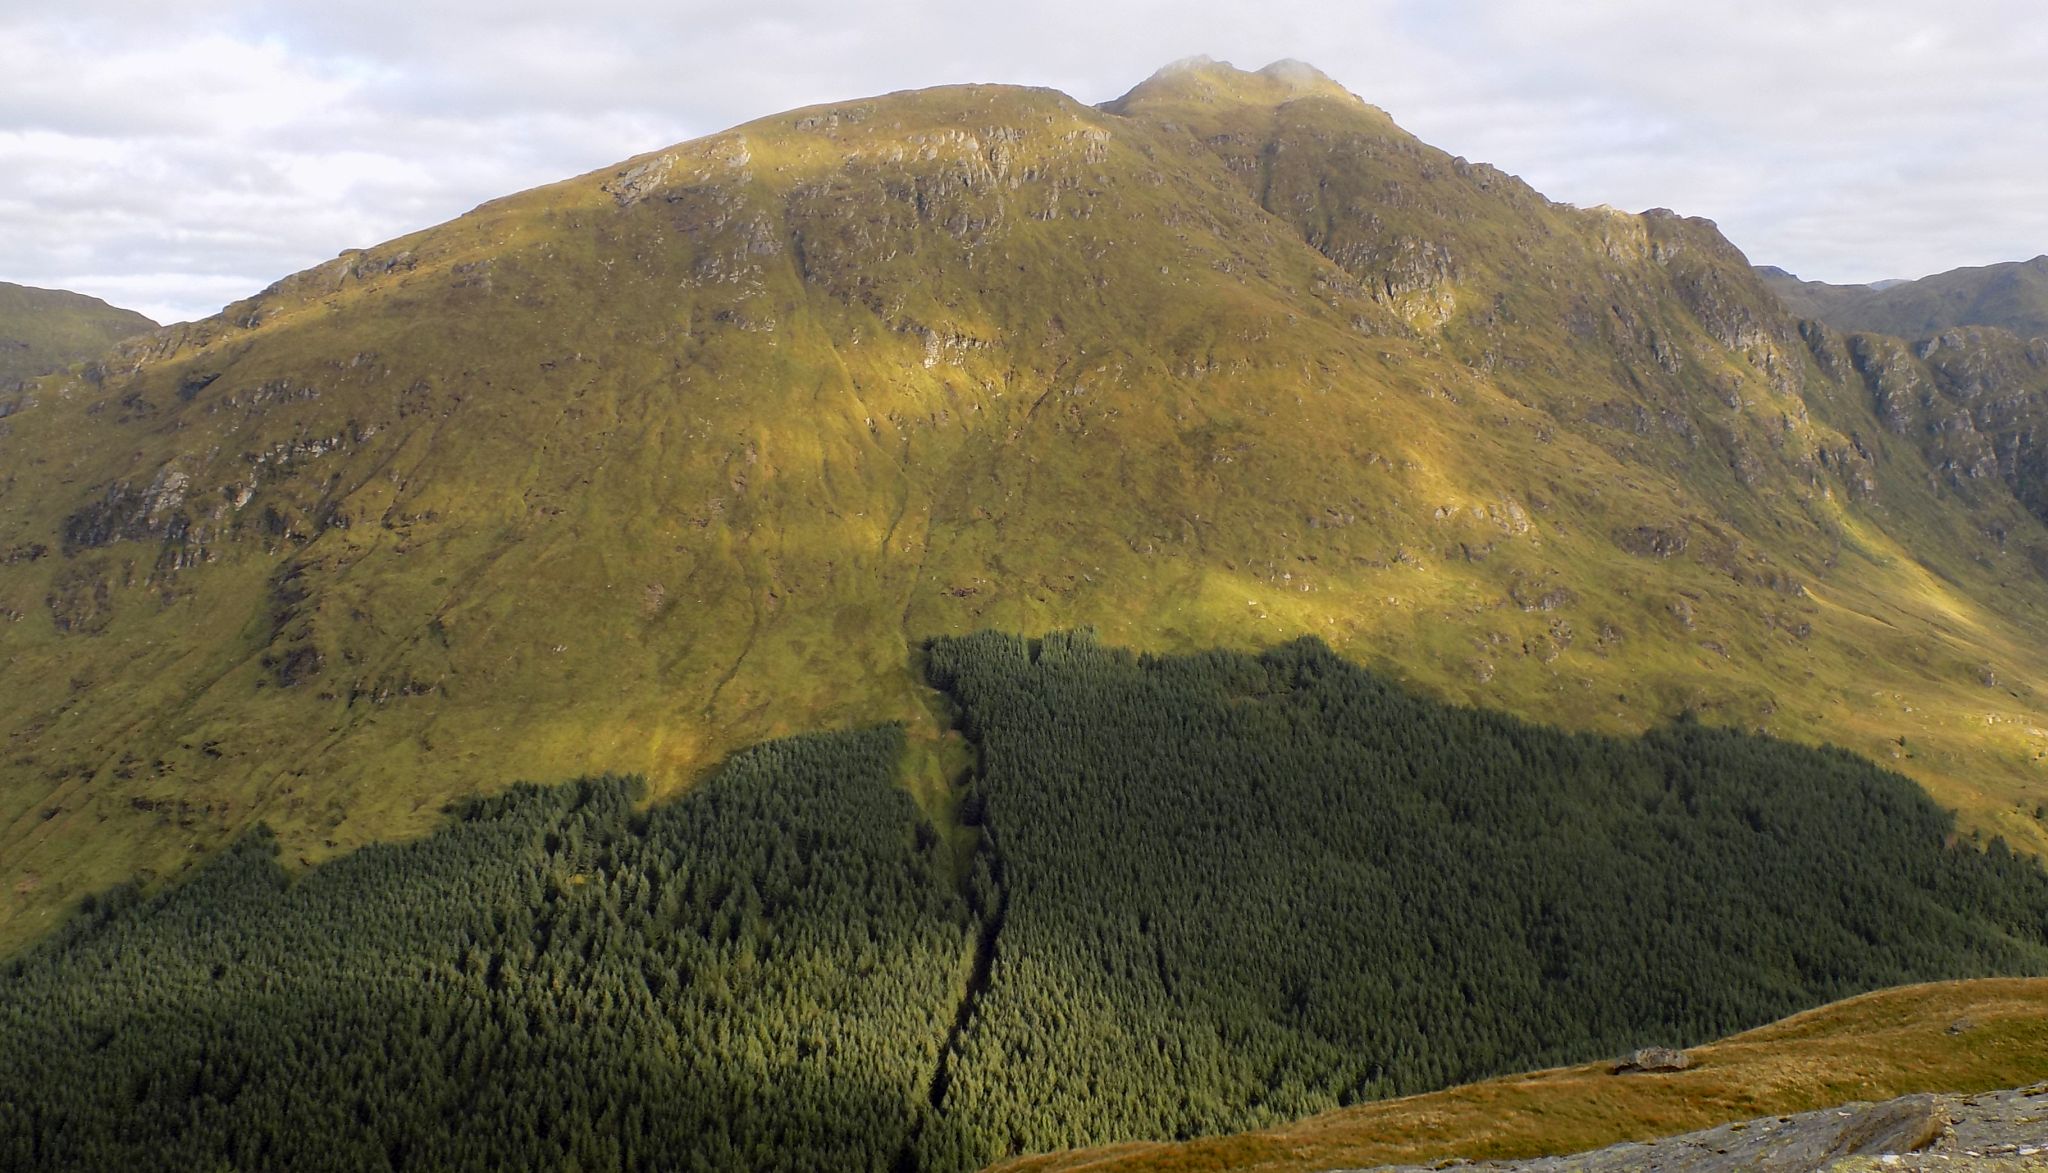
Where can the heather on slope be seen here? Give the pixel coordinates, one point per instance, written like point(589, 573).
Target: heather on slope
point(1212, 892)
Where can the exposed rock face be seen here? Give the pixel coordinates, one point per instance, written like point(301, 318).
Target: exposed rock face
point(1996, 1131)
point(1652, 541)
point(1974, 400)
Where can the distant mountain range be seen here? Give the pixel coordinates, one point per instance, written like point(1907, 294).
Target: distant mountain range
point(44, 329)
point(2011, 296)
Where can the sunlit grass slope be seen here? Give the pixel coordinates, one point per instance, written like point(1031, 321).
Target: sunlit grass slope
point(1948, 1036)
point(628, 471)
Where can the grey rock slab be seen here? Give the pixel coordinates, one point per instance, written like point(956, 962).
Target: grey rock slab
point(1995, 1132)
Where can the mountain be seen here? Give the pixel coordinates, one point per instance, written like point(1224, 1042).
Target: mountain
point(44, 329)
point(629, 472)
point(2011, 296)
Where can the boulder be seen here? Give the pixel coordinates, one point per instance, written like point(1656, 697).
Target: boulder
point(1653, 1059)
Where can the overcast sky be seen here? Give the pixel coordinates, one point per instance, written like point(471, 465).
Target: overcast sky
point(172, 157)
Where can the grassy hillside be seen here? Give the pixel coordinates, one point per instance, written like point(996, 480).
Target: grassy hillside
point(42, 330)
point(1948, 1036)
point(627, 472)
point(1200, 894)
point(2011, 296)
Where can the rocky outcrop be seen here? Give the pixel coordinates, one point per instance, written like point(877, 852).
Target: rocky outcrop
point(1653, 1059)
point(125, 513)
point(1974, 400)
point(1653, 541)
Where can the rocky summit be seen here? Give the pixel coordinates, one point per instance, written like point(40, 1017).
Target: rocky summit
point(630, 471)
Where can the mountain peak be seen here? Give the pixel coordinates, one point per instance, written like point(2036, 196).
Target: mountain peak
point(1295, 72)
point(1209, 81)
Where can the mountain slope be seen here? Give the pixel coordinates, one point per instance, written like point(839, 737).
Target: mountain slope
point(630, 471)
point(44, 329)
point(2011, 296)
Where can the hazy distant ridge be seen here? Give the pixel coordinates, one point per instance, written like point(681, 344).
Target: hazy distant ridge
point(2012, 296)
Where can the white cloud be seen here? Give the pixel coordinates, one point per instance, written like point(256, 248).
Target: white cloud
point(173, 157)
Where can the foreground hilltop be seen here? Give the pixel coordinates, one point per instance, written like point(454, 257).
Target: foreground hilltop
point(1996, 1132)
point(629, 471)
point(1965, 1039)
point(44, 329)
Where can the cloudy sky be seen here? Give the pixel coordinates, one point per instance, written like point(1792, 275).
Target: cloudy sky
point(173, 157)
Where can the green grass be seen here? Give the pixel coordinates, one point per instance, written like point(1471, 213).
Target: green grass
point(624, 486)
